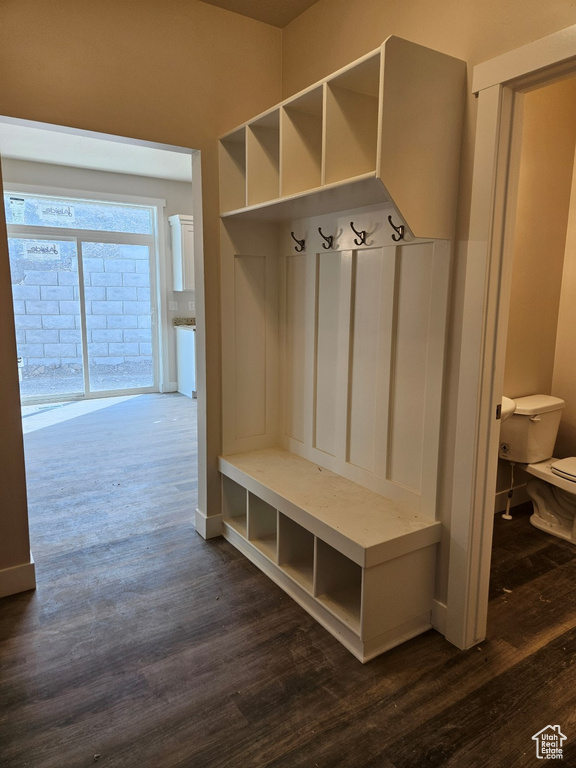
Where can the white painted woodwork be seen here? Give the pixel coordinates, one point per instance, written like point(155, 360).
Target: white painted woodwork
point(182, 241)
point(361, 564)
point(393, 117)
point(333, 354)
point(186, 359)
point(301, 155)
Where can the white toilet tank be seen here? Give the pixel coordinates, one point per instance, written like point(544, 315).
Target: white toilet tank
point(528, 436)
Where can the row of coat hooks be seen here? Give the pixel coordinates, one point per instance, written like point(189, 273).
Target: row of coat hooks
point(360, 238)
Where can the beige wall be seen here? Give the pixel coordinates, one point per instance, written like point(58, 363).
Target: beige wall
point(176, 72)
point(547, 161)
point(564, 378)
point(334, 32)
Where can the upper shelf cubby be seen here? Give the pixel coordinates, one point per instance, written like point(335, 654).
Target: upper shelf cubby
point(352, 105)
point(302, 143)
point(385, 128)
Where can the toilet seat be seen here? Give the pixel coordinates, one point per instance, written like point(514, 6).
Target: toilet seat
point(565, 468)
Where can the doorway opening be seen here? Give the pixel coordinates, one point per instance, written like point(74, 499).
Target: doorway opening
point(500, 85)
point(89, 241)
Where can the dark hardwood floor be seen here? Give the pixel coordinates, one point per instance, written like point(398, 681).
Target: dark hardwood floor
point(144, 645)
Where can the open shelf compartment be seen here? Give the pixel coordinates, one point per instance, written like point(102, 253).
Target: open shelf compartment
point(302, 143)
point(338, 584)
point(263, 159)
point(352, 108)
point(262, 526)
point(296, 552)
point(232, 162)
point(234, 500)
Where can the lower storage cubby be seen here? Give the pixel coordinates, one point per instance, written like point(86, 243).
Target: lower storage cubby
point(338, 584)
point(296, 552)
point(262, 526)
point(356, 561)
point(234, 505)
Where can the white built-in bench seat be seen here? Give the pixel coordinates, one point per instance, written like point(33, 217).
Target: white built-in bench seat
point(361, 564)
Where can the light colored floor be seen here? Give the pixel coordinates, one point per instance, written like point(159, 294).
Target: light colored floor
point(46, 415)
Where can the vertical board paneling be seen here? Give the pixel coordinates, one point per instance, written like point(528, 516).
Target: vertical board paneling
point(370, 358)
point(250, 350)
point(408, 390)
point(295, 365)
point(327, 337)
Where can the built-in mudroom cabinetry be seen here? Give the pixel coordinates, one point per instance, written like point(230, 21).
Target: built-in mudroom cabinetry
point(337, 214)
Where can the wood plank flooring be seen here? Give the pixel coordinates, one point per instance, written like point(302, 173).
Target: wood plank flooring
point(146, 646)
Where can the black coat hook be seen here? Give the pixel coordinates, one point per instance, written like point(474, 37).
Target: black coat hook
point(362, 235)
point(329, 240)
point(399, 229)
point(301, 243)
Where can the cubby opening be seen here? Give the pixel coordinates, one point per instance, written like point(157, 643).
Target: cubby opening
point(262, 526)
point(338, 584)
point(263, 159)
point(302, 144)
point(352, 103)
point(234, 505)
point(296, 552)
point(233, 171)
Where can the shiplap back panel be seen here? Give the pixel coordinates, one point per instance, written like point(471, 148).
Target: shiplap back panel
point(337, 355)
point(250, 342)
point(250, 363)
point(295, 359)
point(372, 318)
point(326, 347)
point(408, 390)
point(372, 323)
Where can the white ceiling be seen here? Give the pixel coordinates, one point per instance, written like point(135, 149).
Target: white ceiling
point(26, 142)
point(279, 13)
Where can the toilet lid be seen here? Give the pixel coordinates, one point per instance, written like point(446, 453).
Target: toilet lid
point(565, 468)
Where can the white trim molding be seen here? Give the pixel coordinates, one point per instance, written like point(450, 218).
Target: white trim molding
point(549, 51)
point(209, 527)
point(19, 578)
point(499, 83)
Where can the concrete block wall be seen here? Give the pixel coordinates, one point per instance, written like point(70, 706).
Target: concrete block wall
point(117, 302)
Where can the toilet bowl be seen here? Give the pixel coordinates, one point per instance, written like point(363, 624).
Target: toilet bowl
point(527, 438)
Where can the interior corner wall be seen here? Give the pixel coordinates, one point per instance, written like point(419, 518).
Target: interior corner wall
point(545, 180)
point(564, 376)
point(14, 540)
point(178, 72)
point(333, 33)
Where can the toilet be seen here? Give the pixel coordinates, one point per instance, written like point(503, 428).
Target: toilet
point(527, 437)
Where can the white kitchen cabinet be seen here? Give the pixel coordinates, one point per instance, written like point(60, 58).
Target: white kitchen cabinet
point(182, 239)
point(186, 359)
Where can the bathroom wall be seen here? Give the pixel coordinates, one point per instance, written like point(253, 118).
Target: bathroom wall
point(547, 161)
point(564, 377)
point(542, 217)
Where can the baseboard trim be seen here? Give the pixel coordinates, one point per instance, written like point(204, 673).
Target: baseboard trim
point(520, 496)
point(208, 527)
point(439, 614)
point(19, 578)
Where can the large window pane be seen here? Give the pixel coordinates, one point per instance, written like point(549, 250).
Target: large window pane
point(47, 316)
point(118, 315)
point(77, 214)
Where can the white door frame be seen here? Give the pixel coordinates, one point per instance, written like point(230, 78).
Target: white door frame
point(497, 84)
